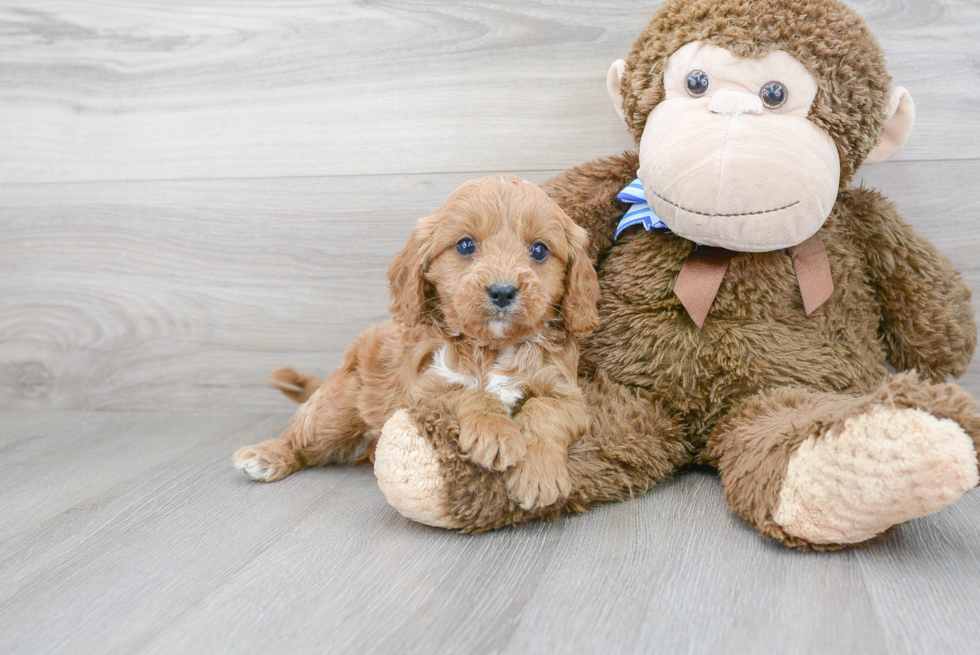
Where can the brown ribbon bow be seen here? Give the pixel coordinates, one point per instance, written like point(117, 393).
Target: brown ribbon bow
point(702, 273)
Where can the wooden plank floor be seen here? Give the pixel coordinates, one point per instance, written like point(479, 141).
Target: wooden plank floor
point(132, 533)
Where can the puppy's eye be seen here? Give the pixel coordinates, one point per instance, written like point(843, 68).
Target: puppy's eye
point(774, 94)
point(466, 246)
point(697, 83)
point(539, 251)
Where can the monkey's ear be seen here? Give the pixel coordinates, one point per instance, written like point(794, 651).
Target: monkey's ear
point(614, 81)
point(406, 277)
point(901, 118)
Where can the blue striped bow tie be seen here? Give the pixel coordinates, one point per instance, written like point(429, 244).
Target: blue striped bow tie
point(640, 212)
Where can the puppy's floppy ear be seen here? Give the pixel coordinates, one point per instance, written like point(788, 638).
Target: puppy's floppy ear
point(578, 308)
point(406, 276)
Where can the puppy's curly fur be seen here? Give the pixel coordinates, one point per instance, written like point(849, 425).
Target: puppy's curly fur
point(507, 369)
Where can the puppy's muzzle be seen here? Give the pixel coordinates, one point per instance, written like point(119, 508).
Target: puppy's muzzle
point(502, 294)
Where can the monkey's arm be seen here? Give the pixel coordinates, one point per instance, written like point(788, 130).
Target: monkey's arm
point(927, 321)
point(587, 193)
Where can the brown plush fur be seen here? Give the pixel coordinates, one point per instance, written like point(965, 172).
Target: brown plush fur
point(753, 447)
point(761, 376)
point(616, 459)
point(449, 340)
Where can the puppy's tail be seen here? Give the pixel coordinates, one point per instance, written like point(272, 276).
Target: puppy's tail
point(294, 385)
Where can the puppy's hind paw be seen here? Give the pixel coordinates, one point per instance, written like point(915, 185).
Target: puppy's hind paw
point(260, 465)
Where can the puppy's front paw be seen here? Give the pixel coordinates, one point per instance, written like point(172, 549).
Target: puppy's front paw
point(491, 440)
point(262, 464)
point(541, 479)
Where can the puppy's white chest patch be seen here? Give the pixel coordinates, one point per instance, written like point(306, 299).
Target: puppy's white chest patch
point(440, 365)
point(498, 382)
point(504, 388)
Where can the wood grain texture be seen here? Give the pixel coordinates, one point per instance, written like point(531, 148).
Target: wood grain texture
point(125, 89)
point(909, 580)
point(166, 548)
point(942, 201)
point(186, 294)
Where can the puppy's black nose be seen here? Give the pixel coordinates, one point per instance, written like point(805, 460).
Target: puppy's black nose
point(502, 295)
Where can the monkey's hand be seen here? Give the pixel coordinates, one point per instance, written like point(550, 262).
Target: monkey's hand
point(927, 321)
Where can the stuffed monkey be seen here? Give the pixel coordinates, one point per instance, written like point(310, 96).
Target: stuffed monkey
point(750, 296)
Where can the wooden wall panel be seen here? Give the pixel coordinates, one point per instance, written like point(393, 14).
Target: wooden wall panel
point(186, 294)
point(192, 193)
point(124, 90)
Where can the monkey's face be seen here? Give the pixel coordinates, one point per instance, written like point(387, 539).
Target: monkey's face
point(729, 159)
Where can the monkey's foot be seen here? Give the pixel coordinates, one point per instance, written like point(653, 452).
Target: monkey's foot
point(879, 469)
point(409, 473)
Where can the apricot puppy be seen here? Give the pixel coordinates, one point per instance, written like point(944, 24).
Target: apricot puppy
point(488, 297)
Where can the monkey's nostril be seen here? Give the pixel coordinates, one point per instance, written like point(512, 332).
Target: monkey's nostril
point(502, 295)
point(735, 103)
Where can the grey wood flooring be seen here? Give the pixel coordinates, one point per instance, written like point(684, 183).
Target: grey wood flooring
point(132, 533)
point(193, 193)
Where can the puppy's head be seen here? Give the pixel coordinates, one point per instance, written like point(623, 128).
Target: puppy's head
point(497, 262)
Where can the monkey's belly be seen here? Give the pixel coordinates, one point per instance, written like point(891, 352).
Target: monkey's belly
point(757, 335)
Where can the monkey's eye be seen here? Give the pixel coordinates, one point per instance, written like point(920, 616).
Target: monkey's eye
point(466, 246)
point(539, 251)
point(774, 94)
point(697, 83)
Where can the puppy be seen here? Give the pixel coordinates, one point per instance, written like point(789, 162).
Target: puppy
point(488, 297)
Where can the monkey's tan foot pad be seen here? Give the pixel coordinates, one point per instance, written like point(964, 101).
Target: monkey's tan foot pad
point(878, 469)
point(409, 473)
